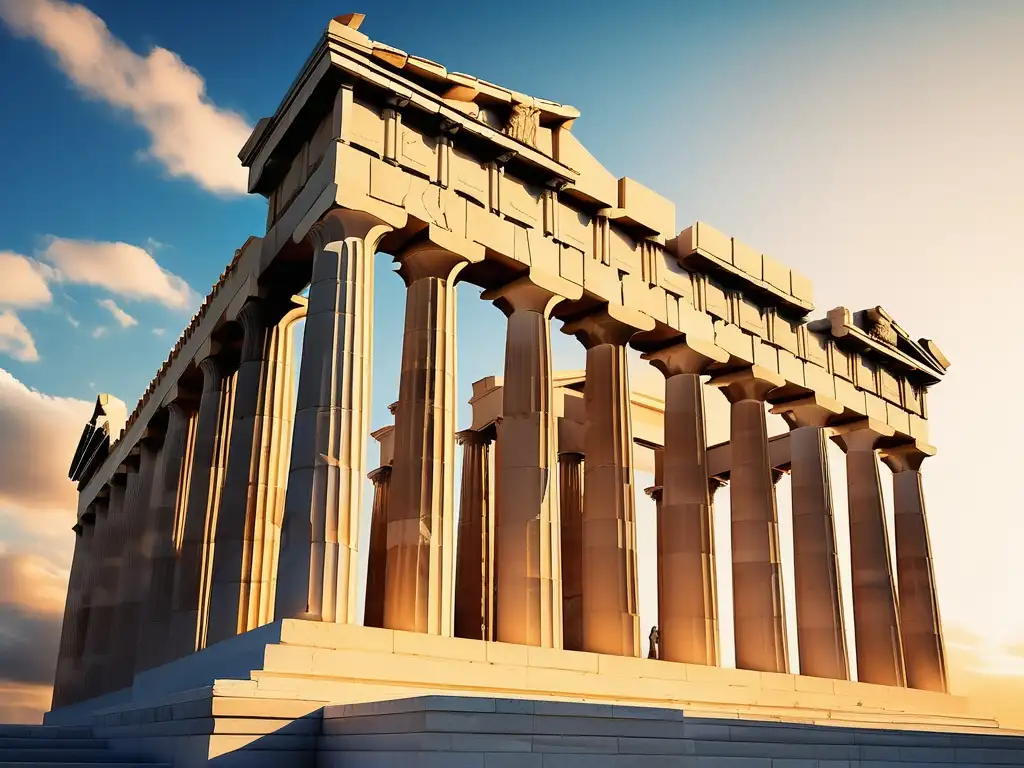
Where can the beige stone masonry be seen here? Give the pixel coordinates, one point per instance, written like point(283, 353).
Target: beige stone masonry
point(527, 542)
point(758, 608)
point(317, 566)
point(195, 557)
point(610, 587)
point(687, 592)
point(875, 608)
point(920, 621)
point(474, 565)
point(418, 585)
point(821, 635)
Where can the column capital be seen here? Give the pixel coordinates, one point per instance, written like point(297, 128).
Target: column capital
point(778, 474)
point(379, 474)
point(253, 319)
point(812, 411)
point(342, 224)
point(862, 435)
point(537, 291)
point(654, 492)
point(692, 356)
point(611, 324)
point(753, 383)
point(715, 482)
point(440, 254)
point(472, 437)
point(906, 457)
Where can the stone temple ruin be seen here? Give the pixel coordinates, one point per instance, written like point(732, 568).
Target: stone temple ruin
point(211, 613)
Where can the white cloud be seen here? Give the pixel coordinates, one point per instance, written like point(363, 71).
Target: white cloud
point(98, 332)
point(38, 437)
point(190, 135)
point(122, 317)
point(24, 281)
point(159, 331)
point(15, 339)
point(72, 321)
point(122, 269)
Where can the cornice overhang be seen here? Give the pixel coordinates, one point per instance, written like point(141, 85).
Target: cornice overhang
point(271, 147)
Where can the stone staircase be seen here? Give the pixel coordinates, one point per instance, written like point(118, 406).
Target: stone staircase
point(42, 746)
point(436, 731)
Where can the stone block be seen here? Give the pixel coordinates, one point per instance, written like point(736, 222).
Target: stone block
point(595, 182)
point(746, 259)
point(647, 207)
point(556, 658)
point(775, 274)
point(418, 644)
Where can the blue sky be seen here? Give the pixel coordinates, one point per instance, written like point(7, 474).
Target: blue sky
point(873, 146)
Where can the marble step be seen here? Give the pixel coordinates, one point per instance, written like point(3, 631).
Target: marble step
point(44, 732)
point(34, 742)
point(52, 753)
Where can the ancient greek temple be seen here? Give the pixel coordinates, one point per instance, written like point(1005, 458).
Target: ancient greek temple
point(216, 578)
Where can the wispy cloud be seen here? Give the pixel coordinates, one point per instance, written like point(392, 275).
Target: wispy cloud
point(123, 269)
point(159, 331)
point(24, 281)
point(122, 317)
point(98, 331)
point(15, 339)
point(189, 135)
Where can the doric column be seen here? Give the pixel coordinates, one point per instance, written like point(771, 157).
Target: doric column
point(317, 572)
point(526, 529)
point(131, 598)
point(191, 577)
point(687, 590)
point(166, 499)
point(64, 675)
point(875, 610)
point(281, 447)
point(611, 620)
point(758, 607)
point(377, 561)
point(418, 583)
point(821, 636)
point(74, 690)
point(570, 495)
point(240, 576)
point(474, 583)
point(98, 644)
point(920, 622)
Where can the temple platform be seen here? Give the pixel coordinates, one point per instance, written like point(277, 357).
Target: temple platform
point(293, 690)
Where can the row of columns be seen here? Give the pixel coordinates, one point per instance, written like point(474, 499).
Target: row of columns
point(526, 529)
point(147, 584)
point(216, 484)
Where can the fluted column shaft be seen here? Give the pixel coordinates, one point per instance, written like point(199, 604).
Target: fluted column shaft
point(166, 501)
point(758, 607)
point(611, 620)
point(526, 528)
point(64, 675)
point(924, 651)
point(191, 577)
point(127, 620)
point(875, 609)
point(418, 582)
point(104, 593)
point(281, 440)
point(74, 690)
point(474, 583)
point(687, 590)
point(377, 560)
point(317, 572)
point(570, 486)
point(241, 572)
point(821, 634)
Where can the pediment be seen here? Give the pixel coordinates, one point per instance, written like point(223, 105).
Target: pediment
point(875, 330)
